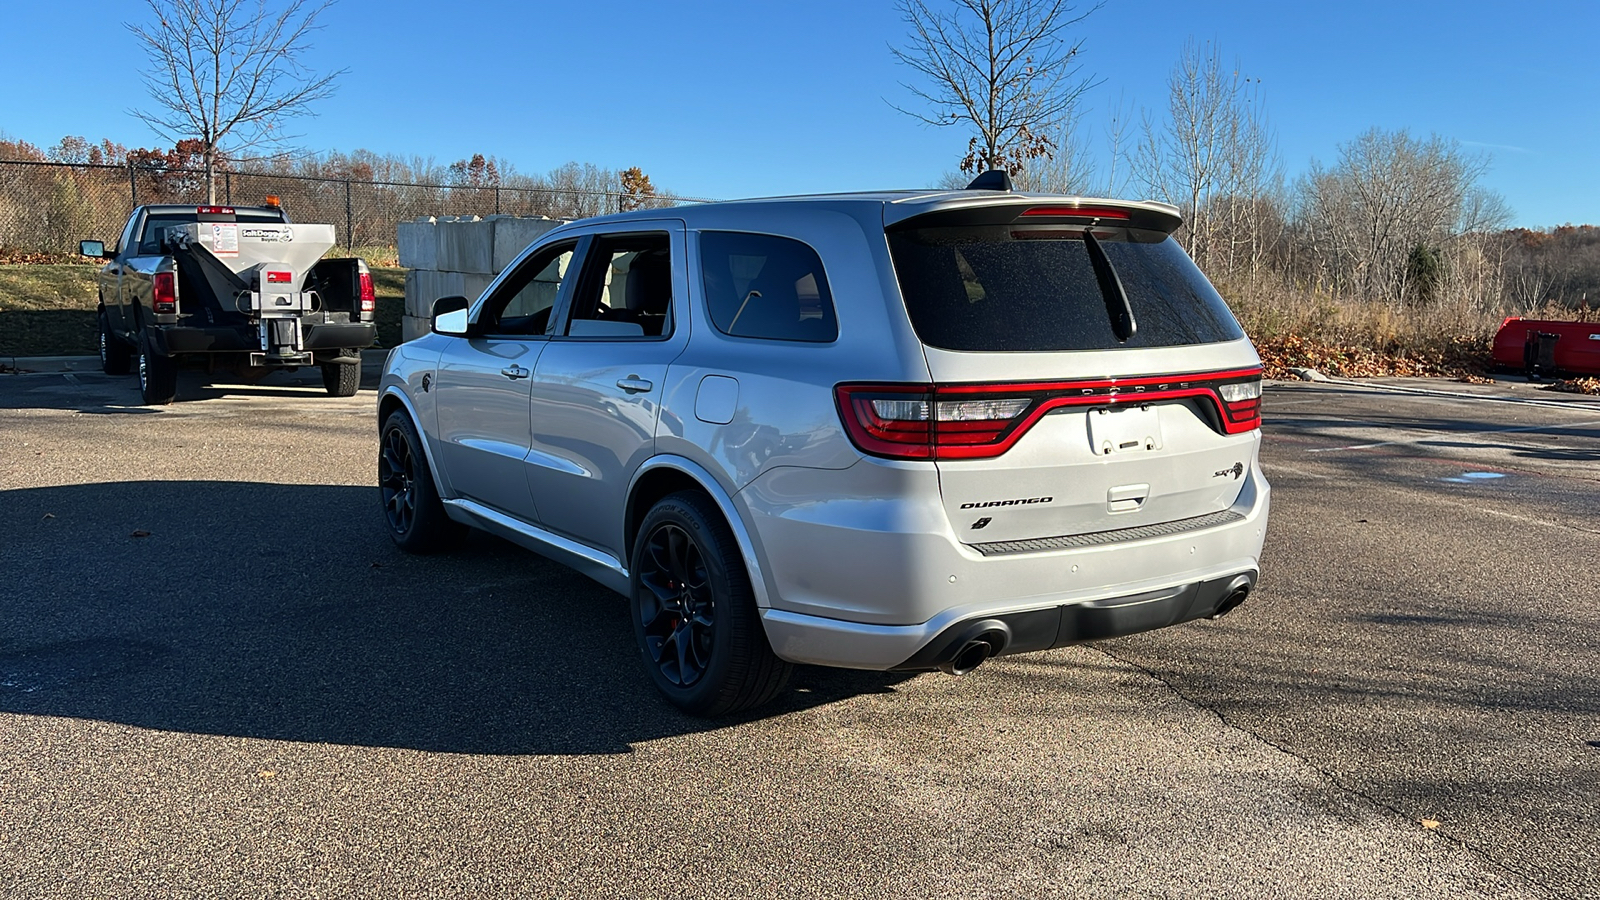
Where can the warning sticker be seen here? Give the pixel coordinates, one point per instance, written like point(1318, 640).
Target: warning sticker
point(224, 239)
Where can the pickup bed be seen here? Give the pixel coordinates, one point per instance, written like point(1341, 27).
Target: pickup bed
point(237, 288)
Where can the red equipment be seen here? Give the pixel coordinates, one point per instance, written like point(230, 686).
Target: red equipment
point(1543, 348)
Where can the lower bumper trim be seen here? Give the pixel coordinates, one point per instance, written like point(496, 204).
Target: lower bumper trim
point(1061, 626)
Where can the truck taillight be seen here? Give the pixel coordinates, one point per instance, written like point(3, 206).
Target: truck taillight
point(164, 294)
point(369, 297)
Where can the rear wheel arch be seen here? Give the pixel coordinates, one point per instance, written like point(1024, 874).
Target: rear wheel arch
point(663, 476)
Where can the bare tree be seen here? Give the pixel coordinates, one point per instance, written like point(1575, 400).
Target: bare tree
point(1390, 201)
point(1004, 67)
point(1070, 168)
point(1214, 156)
point(228, 72)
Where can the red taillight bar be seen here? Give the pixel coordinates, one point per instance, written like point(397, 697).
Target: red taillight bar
point(214, 210)
point(931, 438)
point(164, 294)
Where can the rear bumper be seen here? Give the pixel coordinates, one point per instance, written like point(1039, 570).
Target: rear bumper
point(897, 596)
point(172, 340)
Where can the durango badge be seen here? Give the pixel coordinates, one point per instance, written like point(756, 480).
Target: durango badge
point(988, 503)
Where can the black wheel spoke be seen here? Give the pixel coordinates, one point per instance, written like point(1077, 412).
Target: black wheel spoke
point(675, 606)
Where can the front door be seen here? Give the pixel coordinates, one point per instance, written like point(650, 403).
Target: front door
point(484, 382)
point(597, 391)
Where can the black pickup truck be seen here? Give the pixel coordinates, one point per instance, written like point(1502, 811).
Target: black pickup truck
point(238, 288)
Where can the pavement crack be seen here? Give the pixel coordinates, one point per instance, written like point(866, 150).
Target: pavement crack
point(1330, 777)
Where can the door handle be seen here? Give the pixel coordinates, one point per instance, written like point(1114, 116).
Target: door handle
point(515, 372)
point(633, 384)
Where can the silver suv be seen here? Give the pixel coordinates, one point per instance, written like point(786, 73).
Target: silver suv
point(903, 431)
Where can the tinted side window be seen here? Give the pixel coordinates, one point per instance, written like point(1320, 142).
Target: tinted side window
point(626, 291)
point(523, 302)
point(761, 286)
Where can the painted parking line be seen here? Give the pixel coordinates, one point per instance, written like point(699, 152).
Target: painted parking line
point(1432, 435)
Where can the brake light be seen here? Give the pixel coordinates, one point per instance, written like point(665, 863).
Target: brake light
point(214, 210)
point(983, 421)
point(164, 294)
point(279, 278)
point(1077, 212)
point(369, 297)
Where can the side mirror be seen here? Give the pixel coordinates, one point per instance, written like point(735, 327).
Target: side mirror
point(96, 249)
point(450, 316)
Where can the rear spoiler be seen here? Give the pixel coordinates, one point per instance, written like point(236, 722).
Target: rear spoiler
point(1036, 210)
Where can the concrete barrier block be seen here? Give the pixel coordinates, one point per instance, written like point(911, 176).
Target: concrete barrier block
point(513, 234)
point(423, 287)
point(418, 245)
point(413, 327)
point(472, 285)
point(465, 245)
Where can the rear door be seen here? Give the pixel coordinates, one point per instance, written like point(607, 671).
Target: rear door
point(1074, 395)
point(597, 392)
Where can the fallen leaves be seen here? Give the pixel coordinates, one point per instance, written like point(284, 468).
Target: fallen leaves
point(1575, 386)
point(1430, 824)
point(1462, 358)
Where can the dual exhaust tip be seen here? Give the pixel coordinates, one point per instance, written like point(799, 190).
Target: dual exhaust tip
point(1236, 594)
point(980, 642)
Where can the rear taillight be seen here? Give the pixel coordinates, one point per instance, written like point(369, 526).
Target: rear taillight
point(977, 421)
point(164, 294)
point(369, 297)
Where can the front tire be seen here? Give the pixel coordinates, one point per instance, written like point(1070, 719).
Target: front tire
point(341, 379)
point(411, 505)
point(694, 614)
point(116, 357)
point(158, 375)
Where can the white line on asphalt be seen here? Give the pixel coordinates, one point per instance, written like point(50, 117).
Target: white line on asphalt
point(1466, 434)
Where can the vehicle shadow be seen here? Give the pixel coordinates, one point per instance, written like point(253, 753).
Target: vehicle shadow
point(284, 612)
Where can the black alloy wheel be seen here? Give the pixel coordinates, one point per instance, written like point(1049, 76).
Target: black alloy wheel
point(397, 479)
point(694, 613)
point(679, 614)
point(411, 505)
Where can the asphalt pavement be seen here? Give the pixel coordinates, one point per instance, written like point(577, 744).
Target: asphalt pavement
point(219, 678)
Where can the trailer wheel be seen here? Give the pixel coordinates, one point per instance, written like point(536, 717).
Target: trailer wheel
point(341, 379)
point(158, 375)
point(116, 357)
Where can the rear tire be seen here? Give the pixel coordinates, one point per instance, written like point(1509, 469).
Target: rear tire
point(158, 375)
point(694, 614)
point(341, 379)
point(116, 357)
point(411, 505)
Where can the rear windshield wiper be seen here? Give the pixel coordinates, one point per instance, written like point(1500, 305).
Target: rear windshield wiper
point(1117, 305)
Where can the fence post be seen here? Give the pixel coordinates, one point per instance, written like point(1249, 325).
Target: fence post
point(227, 188)
point(133, 184)
point(497, 200)
point(349, 218)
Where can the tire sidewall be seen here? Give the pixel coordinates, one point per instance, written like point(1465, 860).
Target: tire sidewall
point(704, 693)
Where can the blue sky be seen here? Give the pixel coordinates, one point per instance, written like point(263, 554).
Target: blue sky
point(729, 99)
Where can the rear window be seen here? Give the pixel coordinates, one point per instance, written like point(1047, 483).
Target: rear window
point(763, 286)
point(997, 288)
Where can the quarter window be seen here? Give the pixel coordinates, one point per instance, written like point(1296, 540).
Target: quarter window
point(763, 286)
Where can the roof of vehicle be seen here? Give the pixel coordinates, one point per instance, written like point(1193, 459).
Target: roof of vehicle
point(904, 204)
point(192, 207)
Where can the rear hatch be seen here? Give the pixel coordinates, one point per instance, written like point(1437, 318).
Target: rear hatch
point(1087, 377)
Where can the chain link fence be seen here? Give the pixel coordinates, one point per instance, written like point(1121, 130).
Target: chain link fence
point(48, 207)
